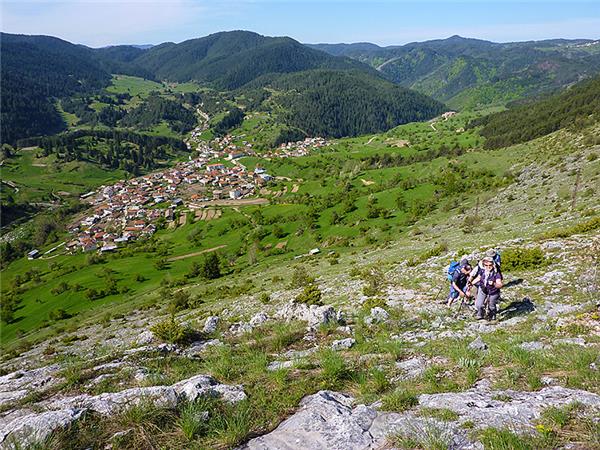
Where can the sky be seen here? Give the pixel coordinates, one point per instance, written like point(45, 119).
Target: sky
point(99, 23)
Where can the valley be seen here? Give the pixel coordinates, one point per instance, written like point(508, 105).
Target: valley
point(242, 242)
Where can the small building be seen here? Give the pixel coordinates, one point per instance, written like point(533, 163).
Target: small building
point(235, 194)
point(33, 254)
point(108, 247)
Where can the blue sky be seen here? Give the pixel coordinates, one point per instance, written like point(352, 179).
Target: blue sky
point(106, 22)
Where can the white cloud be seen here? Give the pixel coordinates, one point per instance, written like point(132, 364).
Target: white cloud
point(98, 23)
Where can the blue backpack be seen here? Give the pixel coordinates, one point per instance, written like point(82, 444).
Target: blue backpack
point(453, 267)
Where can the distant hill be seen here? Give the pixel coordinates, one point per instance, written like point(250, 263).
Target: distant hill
point(347, 103)
point(577, 106)
point(231, 59)
point(34, 71)
point(52, 69)
point(470, 72)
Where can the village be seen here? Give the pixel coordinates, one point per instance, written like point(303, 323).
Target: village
point(132, 209)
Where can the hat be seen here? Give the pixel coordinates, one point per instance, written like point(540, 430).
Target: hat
point(490, 253)
point(464, 262)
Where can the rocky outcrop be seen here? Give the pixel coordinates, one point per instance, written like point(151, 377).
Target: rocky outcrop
point(61, 412)
point(17, 385)
point(314, 315)
point(330, 420)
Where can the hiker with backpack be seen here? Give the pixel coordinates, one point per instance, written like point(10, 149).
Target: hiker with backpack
point(489, 279)
point(458, 274)
point(474, 285)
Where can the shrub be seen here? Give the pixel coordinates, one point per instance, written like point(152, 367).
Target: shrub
point(264, 298)
point(301, 278)
point(169, 330)
point(180, 300)
point(375, 281)
point(523, 258)
point(59, 314)
point(580, 228)
point(311, 295)
point(436, 250)
point(211, 268)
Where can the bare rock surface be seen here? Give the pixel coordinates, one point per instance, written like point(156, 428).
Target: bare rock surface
point(62, 411)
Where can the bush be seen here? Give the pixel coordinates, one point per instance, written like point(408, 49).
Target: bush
point(436, 250)
point(523, 258)
point(265, 298)
point(301, 278)
point(311, 295)
point(580, 228)
point(169, 330)
point(180, 300)
point(211, 268)
point(59, 314)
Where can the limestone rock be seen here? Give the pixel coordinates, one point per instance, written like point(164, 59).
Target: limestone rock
point(314, 315)
point(210, 325)
point(258, 319)
point(377, 315)
point(278, 365)
point(343, 344)
point(145, 338)
point(34, 428)
point(478, 344)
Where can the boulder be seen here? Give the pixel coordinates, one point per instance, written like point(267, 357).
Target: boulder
point(343, 344)
point(377, 315)
point(258, 319)
point(314, 315)
point(205, 385)
point(412, 368)
point(145, 338)
point(478, 344)
point(210, 325)
point(36, 427)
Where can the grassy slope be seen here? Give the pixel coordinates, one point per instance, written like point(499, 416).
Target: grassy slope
point(223, 232)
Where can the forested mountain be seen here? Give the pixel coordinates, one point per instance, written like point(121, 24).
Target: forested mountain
point(34, 71)
point(232, 59)
point(348, 103)
point(469, 72)
point(577, 106)
point(324, 98)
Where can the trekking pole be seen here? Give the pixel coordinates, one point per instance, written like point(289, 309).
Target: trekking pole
point(438, 294)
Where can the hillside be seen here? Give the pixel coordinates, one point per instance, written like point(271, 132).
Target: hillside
point(353, 342)
point(35, 71)
point(575, 107)
point(75, 90)
point(466, 73)
point(232, 59)
point(337, 104)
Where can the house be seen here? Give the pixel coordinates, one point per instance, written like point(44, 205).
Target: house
point(235, 194)
point(33, 254)
point(108, 247)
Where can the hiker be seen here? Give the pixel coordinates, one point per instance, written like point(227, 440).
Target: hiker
point(489, 279)
point(474, 286)
point(459, 282)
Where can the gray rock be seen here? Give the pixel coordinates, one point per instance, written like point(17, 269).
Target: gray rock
point(258, 319)
point(17, 385)
point(210, 325)
point(478, 344)
point(324, 420)
point(278, 365)
point(412, 368)
point(377, 315)
point(570, 341)
point(343, 344)
point(328, 421)
point(197, 348)
point(314, 315)
point(240, 328)
point(145, 338)
point(296, 354)
point(480, 406)
point(35, 428)
point(532, 346)
point(204, 385)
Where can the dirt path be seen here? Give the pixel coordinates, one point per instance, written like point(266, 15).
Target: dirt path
point(431, 125)
point(370, 140)
point(190, 255)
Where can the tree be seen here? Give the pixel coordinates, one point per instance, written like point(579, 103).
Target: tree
point(211, 268)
